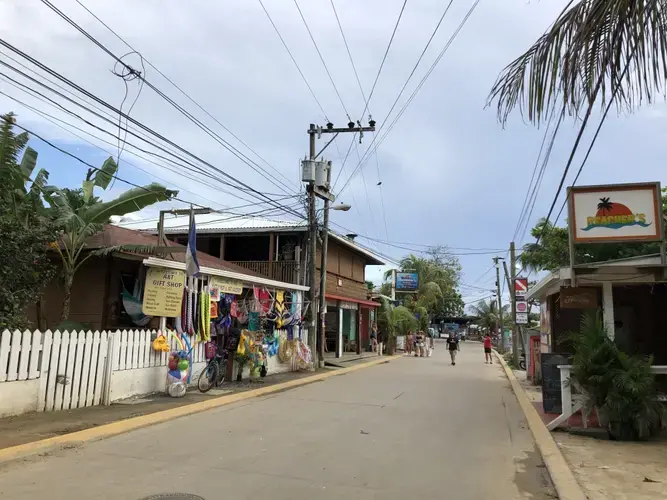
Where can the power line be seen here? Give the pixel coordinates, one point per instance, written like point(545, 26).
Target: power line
point(68, 111)
point(185, 94)
point(140, 133)
point(130, 183)
point(590, 147)
point(326, 68)
point(538, 183)
point(523, 210)
point(248, 161)
point(43, 98)
point(55, 121)
point(349, 52)
point(377, 77)
point(303, 77)
point(384, 58)
point(144, 127)
point(366, 155)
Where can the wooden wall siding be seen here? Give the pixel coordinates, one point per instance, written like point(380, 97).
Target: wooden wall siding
point(87, 297)
point(349, 288)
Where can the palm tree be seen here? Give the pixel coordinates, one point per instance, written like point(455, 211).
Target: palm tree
point(605, 205)
point(487, 312)
point(21, 191)
point(80, 222)
point(613, 49)
point(395, 321)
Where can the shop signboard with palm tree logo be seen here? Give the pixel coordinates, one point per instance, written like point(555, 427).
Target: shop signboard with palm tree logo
point(615, 213)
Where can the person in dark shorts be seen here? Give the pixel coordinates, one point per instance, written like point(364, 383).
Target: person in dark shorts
point(453, 346)
point(487, 349)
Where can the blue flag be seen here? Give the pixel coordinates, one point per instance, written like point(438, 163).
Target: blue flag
point(191, 263)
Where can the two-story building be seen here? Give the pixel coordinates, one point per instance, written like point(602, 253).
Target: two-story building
point(278, 250)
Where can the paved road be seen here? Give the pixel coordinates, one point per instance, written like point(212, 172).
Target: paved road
point(412, 428)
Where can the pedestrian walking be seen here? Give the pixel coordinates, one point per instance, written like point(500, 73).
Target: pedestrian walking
point(453, 346)
point(410, 342)
point(487, 349)
point(374, 337)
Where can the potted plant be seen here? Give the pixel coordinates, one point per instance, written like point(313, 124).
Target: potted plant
point(619, 387)
point(241, 361)
point(288, 251)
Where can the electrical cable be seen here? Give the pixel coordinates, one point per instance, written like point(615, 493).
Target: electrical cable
point(538, 183)
point(377, 76)
point(245, 159)
point(303, 77)
point(71, 94)
point(366, 155)
point(141, 125)
point(185, 94)
point(68, 111)
point(54, 120)
point(524, 207)
point(130, 183)
point(384, 58)
point(326, 68)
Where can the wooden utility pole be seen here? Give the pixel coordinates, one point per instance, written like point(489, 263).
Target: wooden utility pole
point(500, 303)
point(515, 327)
point(317, 342)
point(312, 240)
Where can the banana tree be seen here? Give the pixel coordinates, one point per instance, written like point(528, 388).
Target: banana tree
point(79, 224)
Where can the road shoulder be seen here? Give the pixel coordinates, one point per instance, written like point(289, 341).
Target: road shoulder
point(137, 422)
point(562, 476)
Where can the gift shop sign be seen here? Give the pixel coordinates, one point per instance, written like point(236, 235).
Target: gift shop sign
point(227, 286)
point(615, 213)
point(163, 292)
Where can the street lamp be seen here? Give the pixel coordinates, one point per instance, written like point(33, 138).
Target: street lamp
point(342, 207)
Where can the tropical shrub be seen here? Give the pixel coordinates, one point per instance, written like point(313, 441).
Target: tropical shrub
point(620, 387)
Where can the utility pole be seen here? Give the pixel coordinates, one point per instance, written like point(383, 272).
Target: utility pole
point(515, 327)
point(323, 276)
point(500, 303)
point(317, 342)
point(312, 239)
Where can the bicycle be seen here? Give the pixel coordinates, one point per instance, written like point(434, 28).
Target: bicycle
point(215, 371)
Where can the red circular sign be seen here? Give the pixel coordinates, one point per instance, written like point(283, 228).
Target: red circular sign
point(521, 307)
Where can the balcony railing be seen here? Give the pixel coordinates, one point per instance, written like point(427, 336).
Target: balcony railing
point(283, 270)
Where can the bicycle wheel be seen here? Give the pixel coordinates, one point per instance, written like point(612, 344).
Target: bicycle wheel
point(223, 372)
point(208, 377)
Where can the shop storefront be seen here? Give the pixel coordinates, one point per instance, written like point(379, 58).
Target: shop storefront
point(348, 324)
point(258, 320)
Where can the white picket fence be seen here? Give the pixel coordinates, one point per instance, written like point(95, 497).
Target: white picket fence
point(54, 371)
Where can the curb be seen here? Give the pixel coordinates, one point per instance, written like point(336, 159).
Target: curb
point(78, 438)
point(562, 476)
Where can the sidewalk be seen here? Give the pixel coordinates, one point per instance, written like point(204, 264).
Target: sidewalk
point(609, 470)
point(30, 427)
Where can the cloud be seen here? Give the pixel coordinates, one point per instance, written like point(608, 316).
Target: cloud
point(450, 174)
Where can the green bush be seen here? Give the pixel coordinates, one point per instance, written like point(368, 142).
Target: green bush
point(620, 387)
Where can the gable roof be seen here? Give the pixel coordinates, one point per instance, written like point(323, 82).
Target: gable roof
point(217, 223)
point(115, 236)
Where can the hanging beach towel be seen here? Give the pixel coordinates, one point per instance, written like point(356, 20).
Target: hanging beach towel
point(133, 306)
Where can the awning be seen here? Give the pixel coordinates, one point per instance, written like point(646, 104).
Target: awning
point(367, 303)
point(246, 279)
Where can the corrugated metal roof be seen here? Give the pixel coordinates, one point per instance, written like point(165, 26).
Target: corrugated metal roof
point(219, 223)
point(208, 223)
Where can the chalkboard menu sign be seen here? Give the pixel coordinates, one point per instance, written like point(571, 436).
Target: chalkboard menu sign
point(551, 395)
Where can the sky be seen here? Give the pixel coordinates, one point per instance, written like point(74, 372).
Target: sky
point(450, 174)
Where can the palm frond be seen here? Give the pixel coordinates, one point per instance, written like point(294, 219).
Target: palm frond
point(138, 249)
point(28, 162)
point(129, 201)
point(614, 48)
